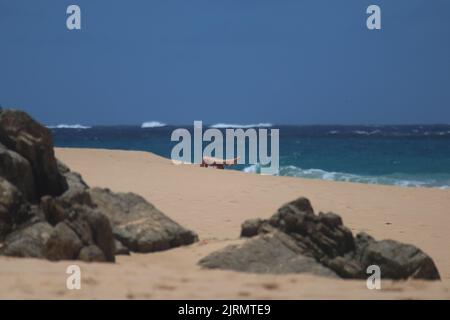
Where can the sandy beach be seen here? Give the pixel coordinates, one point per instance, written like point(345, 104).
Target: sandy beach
point(214, 203)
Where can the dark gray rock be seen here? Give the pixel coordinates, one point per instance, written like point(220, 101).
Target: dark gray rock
point(63, 244)
point(92, 254)
point(251, 227)
point(28, 241)
point(137, 224)
point(399, 261)
point(121, 249)
point(101, 230)
point(17, 170)
point(269, 253)
point(23, 135)
point(74, 179)
point(14, 209)
point(294, 239)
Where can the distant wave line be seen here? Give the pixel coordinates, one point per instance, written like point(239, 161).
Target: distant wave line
point(69, 126)
point(240, 126)
point(153, 124)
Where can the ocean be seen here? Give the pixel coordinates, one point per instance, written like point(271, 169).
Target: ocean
point(402, 155)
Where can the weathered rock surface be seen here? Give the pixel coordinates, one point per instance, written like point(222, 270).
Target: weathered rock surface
point(48, 211)
point(295, 239)
point(92, 253)
point(121, 249)
point(73, 179)
point(137, 224)
point(23, 135)
point(28, 241)
point(13, 207)
point(270, 253)
point(63, 244)
point(17, 170)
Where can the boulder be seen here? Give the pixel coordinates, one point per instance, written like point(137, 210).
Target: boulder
point(13, 207)
point(137, 224)
point(295, 239)
point(76, 224)
point(17, 170)
point(251, 227)
point(92, 253)
point(63, 244)
point(121, 249)
point(87, 227)
point(74, 179)
point(399, 261)
point(275, 253)
point(23, 135)
point(28, 241)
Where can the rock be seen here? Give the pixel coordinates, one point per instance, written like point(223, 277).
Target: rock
point(269, 253)
point(28, 241)
point(74, 179)
point(250, 227)
point(102, 234)
point(121, 249)
point(294, 239)
point(13, 208)
point(137, 224)
point(56, 208)
point(63, 244)
point(48, 211)
point(399, 261)
point(17, 170)
point(23, 135)
point(91, 254)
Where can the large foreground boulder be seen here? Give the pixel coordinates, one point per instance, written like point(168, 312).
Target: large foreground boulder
point(137, 224)
point(295, 239)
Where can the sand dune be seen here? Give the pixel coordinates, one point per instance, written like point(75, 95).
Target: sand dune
point(214, 203)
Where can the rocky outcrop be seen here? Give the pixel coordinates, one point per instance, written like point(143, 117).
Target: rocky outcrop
point(137, 224)
point(295, 239)
point(48, 211)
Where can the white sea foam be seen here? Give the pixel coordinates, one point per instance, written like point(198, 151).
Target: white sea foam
point(395, 179)
point(366, 133)
point(69, 126)
point(254, 168)
point(153, 124)
point(240, 126)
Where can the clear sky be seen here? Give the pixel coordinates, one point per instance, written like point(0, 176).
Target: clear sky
point(239, 61)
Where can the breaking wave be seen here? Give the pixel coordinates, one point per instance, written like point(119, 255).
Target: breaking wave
point(240, 126)
point(153, 124)
point(69, 126)
point(402, 180)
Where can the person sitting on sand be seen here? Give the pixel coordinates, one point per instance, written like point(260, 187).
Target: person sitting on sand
point(217, 162)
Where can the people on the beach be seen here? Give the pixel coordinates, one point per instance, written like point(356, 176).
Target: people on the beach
point(217, 162)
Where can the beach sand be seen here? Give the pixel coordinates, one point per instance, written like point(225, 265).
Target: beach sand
point(214, 203)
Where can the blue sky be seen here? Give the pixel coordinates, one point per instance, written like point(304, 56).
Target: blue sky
point(239, 61)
